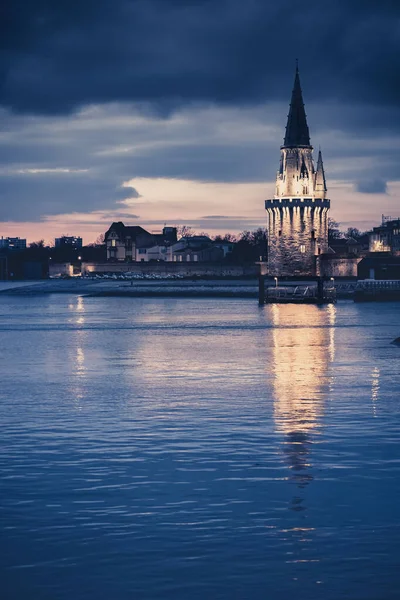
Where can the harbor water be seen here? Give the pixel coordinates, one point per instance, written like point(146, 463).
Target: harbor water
point(165, 448)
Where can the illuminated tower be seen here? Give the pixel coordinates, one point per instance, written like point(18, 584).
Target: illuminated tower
point(298, 213)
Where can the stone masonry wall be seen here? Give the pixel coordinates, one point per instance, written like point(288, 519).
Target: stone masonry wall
point(296, 235)
point(330, 266)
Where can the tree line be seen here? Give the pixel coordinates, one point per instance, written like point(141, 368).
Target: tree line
point(335, 233)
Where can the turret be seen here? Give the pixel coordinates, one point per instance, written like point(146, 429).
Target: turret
point(320, 188)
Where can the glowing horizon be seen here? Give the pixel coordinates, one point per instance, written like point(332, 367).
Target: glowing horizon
point(214, 207)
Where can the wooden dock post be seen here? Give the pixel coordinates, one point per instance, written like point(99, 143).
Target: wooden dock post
point(261, 289)
point(320, 290)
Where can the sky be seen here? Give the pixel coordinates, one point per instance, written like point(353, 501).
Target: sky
point(156, 112)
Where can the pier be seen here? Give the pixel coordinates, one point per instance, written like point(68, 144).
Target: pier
point(310, 292)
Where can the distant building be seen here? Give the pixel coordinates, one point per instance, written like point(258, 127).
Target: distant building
point(68, 241)
point(349, 246)
point(12, 243)
point(208, 254)
point(225, 246)
point(298, 213)
point(153, 252)
point(133, 243)
point(169, 235)
point(193, 241)
point(386, 237)
point(196, 248)
point(159, 248)
point(380, 267)
point(342, 257)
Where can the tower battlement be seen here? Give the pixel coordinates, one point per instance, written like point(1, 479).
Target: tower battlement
point(297, 202)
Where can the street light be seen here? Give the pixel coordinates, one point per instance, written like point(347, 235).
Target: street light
point(79, 257)
point(276, 281)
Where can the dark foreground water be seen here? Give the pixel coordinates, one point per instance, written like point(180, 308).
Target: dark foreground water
point(190, 449)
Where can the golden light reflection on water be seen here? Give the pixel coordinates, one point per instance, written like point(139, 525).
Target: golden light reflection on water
point(303, 346)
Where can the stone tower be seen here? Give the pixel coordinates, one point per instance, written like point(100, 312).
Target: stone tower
point(298, 213)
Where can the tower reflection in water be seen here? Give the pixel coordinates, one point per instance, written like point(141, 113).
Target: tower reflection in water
point(303, 347)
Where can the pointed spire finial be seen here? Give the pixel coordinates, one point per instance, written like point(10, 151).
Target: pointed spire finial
point(297, 133)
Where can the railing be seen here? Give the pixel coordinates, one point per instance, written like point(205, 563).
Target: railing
point(377, 291)
point(300, 294)
point(378, 285)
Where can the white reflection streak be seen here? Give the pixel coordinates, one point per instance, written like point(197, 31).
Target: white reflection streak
point(80, 308)
point(79, 368)
point(80, 360)
point(332, 320)
point(78, 372)
point(375, 386)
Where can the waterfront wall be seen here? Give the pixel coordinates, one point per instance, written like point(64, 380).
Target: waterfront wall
point(330, 266)
point(59, 269)
point(185, 269)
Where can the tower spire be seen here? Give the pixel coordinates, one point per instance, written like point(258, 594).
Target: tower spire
point(297, 133)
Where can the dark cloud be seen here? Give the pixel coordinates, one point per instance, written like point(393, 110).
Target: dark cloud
point(58, 56)
point(372, 186)
point(123, 193)
point(30, 197)
point(98, 92)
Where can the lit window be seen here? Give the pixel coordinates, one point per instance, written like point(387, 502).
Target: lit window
point(302, 249)
point(113, 243)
